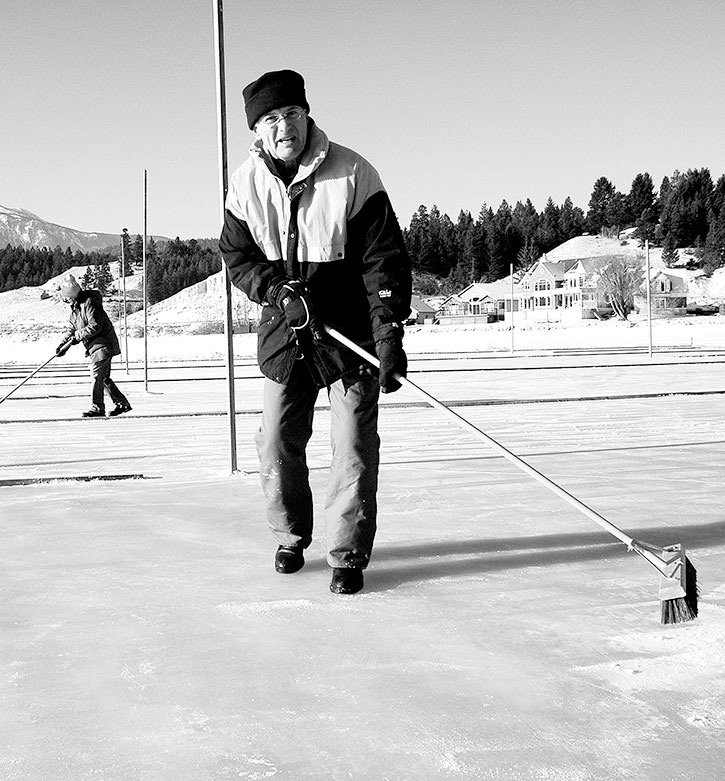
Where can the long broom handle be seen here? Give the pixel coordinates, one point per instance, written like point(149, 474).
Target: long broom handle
point(32, 374)
point(520, 463)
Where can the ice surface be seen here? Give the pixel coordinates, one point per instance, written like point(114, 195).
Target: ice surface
point(501, 635)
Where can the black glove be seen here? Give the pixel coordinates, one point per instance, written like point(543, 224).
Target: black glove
point(63, 348)
point(392, 361)
point(290, 295)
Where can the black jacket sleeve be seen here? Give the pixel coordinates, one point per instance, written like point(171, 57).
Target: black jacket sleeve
point(249, 269)
point(376, 235)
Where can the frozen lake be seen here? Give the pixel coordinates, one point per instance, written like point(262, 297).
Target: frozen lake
point(500, 635)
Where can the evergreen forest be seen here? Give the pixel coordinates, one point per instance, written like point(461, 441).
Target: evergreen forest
point(686, 211)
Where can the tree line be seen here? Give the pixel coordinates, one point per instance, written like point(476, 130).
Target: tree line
point(686, 211)
point(34, 266)
point(171, 266)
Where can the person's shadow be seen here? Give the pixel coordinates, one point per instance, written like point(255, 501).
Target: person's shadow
point(431, 560)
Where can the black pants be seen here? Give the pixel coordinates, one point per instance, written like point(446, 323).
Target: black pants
point(101, 376)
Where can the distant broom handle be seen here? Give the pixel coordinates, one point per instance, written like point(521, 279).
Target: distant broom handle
point(32, 374)
point(550, 484)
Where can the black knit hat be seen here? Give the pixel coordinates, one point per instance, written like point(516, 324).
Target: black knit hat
point(273, 90)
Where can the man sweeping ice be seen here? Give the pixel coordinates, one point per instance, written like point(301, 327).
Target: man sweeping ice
point(90, 325)
point(311, 235)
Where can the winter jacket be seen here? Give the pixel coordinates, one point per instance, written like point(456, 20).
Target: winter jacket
point(90, 324)
point(334, 227)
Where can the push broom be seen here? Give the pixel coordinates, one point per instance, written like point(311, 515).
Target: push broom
point(32, 374)
point(678, 578)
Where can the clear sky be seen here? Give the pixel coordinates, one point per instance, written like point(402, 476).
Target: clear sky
point(456, 103)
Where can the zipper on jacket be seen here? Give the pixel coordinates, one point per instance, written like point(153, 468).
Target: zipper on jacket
point(292, 264)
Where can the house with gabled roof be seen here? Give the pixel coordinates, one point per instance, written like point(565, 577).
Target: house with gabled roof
point(668, 294)
point(479, 302)
point(420, 311)
point(540, 290)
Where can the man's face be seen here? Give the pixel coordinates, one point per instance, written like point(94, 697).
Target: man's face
point(283, 132)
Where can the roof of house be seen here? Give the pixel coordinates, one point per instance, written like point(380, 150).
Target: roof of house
point(477, 291)
point(420, 306)
point(679, 285)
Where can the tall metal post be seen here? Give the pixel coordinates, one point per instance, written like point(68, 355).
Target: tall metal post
point(511, 267)
point(123, 285)
point(649, 297)
point(145, 288)
point(222, 148)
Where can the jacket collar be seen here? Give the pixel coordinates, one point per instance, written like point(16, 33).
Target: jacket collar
point(318, 145)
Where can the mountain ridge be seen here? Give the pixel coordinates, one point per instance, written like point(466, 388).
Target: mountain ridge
point(23, 228)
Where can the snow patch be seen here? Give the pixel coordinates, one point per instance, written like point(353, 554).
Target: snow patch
point(682, 658)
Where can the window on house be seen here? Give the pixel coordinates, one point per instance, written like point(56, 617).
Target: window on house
point(542, 284)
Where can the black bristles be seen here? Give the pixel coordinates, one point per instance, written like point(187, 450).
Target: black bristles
point(676, 611)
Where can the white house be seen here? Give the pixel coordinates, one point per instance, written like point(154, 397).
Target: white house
point(480, 302)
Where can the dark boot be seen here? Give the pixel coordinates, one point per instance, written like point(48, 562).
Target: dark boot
point(119, 409)
point(289, 559)
point(95, 412)
point(346, 580)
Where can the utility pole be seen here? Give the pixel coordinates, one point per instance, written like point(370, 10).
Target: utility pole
point(511, 267)
point(649, 297)
point(222, 148)
point(145, 288)
point(123, 285)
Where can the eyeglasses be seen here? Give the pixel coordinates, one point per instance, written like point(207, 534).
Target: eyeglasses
point(291, 115)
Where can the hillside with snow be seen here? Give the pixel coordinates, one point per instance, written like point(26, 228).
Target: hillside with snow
point(33, 310)
point(198, 305)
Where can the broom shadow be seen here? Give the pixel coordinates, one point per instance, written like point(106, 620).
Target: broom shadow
point(421, 561)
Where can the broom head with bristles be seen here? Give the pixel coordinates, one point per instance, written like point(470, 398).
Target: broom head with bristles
point(678, 588)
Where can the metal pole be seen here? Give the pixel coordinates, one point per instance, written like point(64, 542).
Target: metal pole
point(125, 320)
point(511, 266)
point(649, 297)
point(145, 290)
point(222, 149)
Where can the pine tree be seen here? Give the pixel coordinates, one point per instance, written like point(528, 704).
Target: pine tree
point(104, 278)
point(643, 207)
point(503, 243)
point(686, 210)
point(137, 251)
point(549, 235)
point(88, 280)
point(413, 236)
point(571, 220)
point(714, 252)
point(601, 205)
point(670, 256)
point(526, 220)
point(717, 199)
point(528, 255)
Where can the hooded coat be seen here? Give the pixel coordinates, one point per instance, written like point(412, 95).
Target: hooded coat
point(90, 324)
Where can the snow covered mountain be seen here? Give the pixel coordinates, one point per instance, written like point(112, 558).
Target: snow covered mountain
point(25, 229)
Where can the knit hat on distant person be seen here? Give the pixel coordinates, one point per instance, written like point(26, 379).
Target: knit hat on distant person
point(273, 90)
point(69, 288)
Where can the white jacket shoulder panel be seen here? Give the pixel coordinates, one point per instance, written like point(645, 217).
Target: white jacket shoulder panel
point(332, 185)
